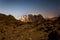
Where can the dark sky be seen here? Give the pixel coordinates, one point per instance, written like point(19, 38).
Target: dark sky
point(48, 8)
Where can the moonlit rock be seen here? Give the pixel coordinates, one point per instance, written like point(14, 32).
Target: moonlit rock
point(30, 18)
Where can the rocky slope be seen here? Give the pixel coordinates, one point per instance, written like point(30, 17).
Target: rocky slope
point(13, 29)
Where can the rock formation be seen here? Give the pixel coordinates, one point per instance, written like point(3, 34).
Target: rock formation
point(31, 18)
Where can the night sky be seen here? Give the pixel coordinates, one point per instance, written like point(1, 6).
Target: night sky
point(17, 8)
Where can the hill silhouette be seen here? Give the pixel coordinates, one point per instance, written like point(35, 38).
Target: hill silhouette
point(13, 29)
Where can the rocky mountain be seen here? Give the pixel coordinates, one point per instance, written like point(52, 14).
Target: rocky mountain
point(42, 29)
point(31, 18)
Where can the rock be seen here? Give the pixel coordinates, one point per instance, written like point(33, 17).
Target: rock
point(31, 18)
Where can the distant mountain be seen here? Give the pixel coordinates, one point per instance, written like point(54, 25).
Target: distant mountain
point(54, 18)
point(58, 18)
point(31, 18)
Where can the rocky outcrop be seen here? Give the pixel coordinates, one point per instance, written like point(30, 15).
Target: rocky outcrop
point(31, 18)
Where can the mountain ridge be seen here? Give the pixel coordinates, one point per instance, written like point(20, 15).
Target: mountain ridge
point(13, 29)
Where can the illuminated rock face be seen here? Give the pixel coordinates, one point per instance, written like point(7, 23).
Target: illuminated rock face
point(31, 18)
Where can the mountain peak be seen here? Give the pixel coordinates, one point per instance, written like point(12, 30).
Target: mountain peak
point(31, 17)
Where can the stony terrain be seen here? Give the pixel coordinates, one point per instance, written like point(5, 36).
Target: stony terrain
point(13, 29)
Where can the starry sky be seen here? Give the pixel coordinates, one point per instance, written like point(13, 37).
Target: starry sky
point(17, 8)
